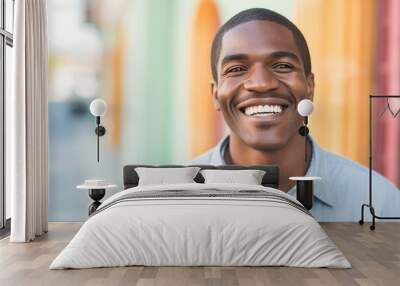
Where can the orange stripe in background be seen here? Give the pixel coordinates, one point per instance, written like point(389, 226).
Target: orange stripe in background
point(341, 46)
point(117, 88)
point(113, 64)
point(112, 87)
point(204, 124)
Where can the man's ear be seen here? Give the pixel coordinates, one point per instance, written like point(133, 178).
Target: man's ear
point(310, 86)
point(214, 93)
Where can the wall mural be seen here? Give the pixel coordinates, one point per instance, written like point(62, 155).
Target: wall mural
point(150, 61)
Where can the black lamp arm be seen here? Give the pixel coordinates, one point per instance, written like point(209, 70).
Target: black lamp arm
point(305, 138)
point(100, 131)
point(303, 130)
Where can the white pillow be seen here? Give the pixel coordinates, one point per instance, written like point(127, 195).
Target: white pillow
point(162, 176)
point(248, 177)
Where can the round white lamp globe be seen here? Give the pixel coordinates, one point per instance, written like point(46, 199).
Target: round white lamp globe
point(305, 107)
point(98, 107)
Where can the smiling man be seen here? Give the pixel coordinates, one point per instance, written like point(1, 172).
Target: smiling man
point(261, 69)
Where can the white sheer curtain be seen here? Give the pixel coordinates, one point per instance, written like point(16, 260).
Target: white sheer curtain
point(26, 123)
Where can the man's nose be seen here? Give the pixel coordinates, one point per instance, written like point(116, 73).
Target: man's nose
point(261, 80)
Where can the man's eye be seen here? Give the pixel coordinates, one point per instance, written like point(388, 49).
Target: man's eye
point(235, 69)
point(283, 67)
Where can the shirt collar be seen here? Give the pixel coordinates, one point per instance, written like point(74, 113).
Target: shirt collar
point(321, 191)
point(217, 156)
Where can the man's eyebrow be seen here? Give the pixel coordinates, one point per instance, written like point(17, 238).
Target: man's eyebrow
point(234, 57)
point(285, 54)
point(276, 55)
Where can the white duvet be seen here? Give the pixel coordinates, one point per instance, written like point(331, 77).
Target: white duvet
point(182, 231)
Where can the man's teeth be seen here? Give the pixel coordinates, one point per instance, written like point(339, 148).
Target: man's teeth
point(262, 109)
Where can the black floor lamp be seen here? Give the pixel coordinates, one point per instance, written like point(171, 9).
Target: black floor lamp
point(370, 205)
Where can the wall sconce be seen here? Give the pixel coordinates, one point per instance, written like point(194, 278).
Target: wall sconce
point(305, 107)
point(98, 108)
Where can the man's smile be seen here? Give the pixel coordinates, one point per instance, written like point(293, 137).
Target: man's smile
point(259, 110)
point(264, 109)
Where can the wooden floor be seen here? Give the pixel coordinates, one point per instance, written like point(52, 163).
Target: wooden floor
point(374, 255)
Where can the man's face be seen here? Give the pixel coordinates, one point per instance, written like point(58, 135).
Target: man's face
point(260, 81)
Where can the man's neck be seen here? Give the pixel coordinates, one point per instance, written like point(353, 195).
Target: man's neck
point(290, 159)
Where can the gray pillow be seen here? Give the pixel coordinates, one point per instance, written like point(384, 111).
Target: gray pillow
point(162, 176)
point(248, 177)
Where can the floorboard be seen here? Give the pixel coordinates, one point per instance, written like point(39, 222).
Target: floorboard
point(374, 255)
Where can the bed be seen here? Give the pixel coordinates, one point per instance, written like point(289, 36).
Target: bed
point(201, 223)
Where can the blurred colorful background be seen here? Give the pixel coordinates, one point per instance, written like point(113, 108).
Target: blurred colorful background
point(149, 59)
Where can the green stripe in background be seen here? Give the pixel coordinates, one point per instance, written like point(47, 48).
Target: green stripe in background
point(159, 81)
point(148, 77)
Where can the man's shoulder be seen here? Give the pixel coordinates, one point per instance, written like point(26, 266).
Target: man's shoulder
point(335, 161)
point(213, 155)
point(203, 159)
point(345, 169)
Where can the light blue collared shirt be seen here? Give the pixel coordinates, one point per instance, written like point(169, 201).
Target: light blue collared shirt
point(338, 196)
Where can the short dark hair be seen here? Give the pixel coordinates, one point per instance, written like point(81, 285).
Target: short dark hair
point(260, 14)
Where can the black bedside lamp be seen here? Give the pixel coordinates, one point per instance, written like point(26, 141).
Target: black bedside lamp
point(98, 108)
